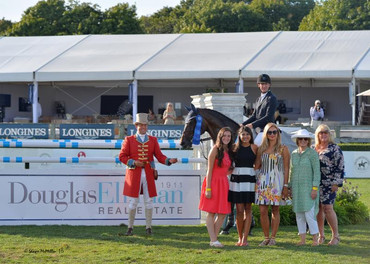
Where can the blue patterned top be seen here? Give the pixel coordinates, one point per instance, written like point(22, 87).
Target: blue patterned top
point(332, 172)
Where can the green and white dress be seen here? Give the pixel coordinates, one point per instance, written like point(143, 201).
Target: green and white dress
point(304, 174)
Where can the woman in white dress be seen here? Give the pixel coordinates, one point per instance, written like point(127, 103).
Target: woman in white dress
point(272, 180)
point(169, 115)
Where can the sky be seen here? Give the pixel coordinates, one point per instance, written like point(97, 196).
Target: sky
point(13, 9)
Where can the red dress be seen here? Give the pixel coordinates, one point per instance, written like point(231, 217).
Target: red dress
point(218, 203)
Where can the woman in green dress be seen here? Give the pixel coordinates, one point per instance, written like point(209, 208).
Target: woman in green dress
point(304, 183)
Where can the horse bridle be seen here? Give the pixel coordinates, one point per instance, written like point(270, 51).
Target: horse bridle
point(197, 133)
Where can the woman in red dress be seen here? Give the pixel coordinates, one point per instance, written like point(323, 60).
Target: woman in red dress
point(215, 188)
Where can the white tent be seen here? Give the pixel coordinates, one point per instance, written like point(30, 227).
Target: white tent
point(104, 57)
point(335, 58)
point(328, 54)
point(336, 54)
point(365, 93)
point(20, 57)
point(362, 69)
point(204, 56)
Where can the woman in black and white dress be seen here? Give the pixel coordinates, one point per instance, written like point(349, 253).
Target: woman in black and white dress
point(242, 183)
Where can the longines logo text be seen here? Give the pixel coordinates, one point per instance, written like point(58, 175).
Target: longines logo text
point(86, 132)
point(23, 132)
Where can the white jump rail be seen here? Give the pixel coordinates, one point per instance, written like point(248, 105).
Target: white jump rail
point(77, 144)
point(81, 160)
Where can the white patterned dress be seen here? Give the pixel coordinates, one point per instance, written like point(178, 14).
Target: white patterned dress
point(270, 180)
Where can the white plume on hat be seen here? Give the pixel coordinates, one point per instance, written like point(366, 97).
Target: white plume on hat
point(141, 118)
point(302, 133)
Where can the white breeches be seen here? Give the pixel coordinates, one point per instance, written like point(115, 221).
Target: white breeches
point(148, 202)
point(309, 218)
point(258, 139)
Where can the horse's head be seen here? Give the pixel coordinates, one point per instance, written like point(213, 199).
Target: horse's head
point(190, 122)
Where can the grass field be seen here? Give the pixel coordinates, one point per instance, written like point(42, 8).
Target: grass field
point(170, 244)
point(364, 189)
point(176, 244)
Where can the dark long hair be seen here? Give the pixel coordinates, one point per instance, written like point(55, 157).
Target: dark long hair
point(220, 147)
point(240, 131)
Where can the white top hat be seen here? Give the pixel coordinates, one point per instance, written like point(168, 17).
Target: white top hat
point(302, 133)
point(141, 118)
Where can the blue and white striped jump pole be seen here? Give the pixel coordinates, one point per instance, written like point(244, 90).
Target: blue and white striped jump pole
point(81, 160)
point(77, 144)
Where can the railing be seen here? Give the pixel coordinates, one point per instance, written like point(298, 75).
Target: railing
point(81, 160)
point(77, 144)
point(361, 113)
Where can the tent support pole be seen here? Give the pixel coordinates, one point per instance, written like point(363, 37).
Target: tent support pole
point(134, 100)
point(35, 118)
point(353, 99)
point(240, 85)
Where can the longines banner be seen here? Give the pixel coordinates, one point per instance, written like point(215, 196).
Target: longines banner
point(86, 131)
point(160, 131)
point(36, 131)
point(93, 200)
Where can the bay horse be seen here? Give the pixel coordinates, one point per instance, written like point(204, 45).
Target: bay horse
point(212, 122)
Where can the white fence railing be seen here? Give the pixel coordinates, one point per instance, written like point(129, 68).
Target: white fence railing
point(77, 144)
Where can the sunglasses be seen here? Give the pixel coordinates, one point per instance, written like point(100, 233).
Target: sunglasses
point(305, 139)
point(273, 132)
point(324, 132)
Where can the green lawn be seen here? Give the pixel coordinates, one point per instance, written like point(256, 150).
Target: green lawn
point(176, 244)
point(364, 189)
point(170, 244)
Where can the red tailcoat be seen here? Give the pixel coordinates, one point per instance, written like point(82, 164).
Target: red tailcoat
point(132, 149)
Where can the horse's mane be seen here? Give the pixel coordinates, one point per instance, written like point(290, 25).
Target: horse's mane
point(219, 116)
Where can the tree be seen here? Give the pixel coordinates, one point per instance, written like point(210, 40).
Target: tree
point(160, 22)
point(5, 25)
point(283, 14)
point(43, 19)
point(338, 15)
point(83, 18)
point(220, 16)
point(121, 19)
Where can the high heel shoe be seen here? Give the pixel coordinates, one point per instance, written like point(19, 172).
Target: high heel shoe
point(265, 242)
point(334, 241)
point(321, 240)
point(272, 242)
point(216, 244)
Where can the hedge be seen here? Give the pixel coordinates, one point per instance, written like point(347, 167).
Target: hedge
point(354, 146)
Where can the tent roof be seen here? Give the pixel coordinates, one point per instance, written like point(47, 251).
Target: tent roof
point(104, 57)
point(219, 55)
point(283, 55)
point(327, 54)
point(365, 93)
point(20, 57)
point(362, 71)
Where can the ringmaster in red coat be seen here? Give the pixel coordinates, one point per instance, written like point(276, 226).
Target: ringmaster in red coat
point(138, 152)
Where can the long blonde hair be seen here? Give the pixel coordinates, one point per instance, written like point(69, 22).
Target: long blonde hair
point(265, 142)
point(168, 106)
point(320, 128)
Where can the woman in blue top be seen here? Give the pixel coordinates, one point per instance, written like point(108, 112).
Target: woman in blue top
point(332, 174)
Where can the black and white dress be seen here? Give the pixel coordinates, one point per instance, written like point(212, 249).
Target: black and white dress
point(243, 178)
